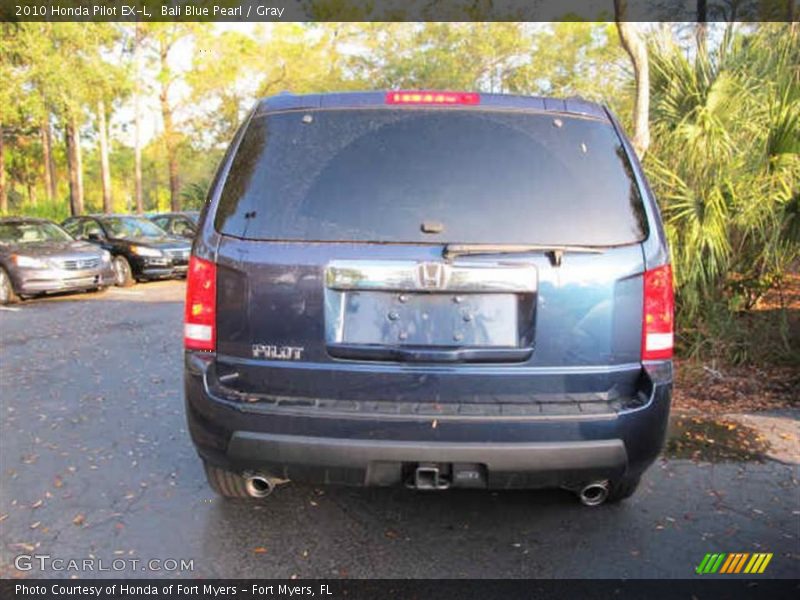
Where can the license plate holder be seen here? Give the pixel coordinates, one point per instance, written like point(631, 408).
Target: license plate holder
point(430, 319)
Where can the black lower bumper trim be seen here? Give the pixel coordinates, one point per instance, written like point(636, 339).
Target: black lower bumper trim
point(350, 453)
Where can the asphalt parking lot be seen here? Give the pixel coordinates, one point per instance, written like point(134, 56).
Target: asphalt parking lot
point(96, 463)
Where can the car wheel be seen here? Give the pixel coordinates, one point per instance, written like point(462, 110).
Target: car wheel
point(622, 488)
point(225, 483)
point(7, 294)
point(123, 275)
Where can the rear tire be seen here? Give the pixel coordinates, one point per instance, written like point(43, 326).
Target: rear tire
point(225, 483)
point(123, 274)
point(622, 488)
point(7, 293)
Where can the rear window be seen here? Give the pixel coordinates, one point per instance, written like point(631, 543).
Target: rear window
point(378, 174)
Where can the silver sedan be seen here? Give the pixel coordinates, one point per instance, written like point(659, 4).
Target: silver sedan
point(39, 257)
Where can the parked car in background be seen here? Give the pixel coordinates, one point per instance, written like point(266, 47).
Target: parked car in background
point(180, 224)
point(431, 290)
point(140, 249)
point(39, 257)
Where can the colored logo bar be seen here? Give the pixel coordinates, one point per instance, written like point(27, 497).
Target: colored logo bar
point(736, 562)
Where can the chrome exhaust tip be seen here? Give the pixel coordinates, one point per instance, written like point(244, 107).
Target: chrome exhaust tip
point(258, 486)
point(594, 494)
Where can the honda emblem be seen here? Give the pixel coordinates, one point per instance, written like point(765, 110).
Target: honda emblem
point(432, 276)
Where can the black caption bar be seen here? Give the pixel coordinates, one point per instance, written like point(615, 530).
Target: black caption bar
point(398, 10)
point(254, 589)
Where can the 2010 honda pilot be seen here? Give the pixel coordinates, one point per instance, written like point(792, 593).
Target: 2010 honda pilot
point(429, 289)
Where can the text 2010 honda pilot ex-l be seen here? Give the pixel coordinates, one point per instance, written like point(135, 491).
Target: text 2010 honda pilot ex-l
point(433, 290)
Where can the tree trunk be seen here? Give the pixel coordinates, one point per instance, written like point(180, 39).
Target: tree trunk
point(47, 159)
point(137, 121)
point(78, 162)
point(137, 159)
point(174, 182)
point(636, 47)
point(169, 134)
point(105, 171)
point(701, 27)
point(73, 181)
point(74, 162)
point(172, 151)
point(51, 163)
point(3, 188)
point(137, 155)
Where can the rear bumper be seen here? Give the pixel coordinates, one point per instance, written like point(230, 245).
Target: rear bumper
point(380, 462)
point(373, 449)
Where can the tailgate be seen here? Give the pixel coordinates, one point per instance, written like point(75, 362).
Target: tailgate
point(361, 322)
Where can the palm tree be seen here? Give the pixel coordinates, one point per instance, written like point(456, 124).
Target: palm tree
point(725, 162)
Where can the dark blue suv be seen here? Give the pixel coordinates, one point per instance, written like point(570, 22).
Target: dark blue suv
point(429, 289)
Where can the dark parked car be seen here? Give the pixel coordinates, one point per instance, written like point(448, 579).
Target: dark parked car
point(39, 257)
point(433, 290)
point(141, 250)
point(181, 224)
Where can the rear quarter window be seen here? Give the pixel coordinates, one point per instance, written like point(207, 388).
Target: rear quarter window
point(378, 174)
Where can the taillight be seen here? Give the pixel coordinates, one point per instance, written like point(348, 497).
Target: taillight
point(658, 319)
point(402, 97)
point(200, 316)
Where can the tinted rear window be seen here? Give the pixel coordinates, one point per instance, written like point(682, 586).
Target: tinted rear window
point(377, 174)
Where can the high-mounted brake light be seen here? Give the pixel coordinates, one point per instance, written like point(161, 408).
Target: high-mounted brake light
point(403, 97)
point(658, 319)
point(200, 315)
